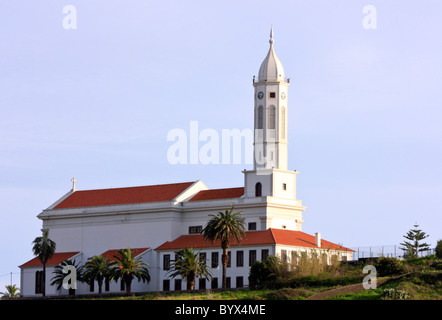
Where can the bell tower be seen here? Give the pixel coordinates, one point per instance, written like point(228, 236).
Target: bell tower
point(271, 97)
point(270, 175)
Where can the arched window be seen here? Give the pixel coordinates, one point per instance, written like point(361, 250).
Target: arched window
point(260, 118)
point(258, 189)
point(272, 117)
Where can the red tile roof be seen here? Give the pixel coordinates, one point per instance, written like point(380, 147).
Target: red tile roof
point(301, 239)
point(56, 259)
point(228, 193)
point(111, 253)
point(269, 236)
point(105, 197)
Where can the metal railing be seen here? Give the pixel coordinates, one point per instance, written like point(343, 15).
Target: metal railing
point(393, 251)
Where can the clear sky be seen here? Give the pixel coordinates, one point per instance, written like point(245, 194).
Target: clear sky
point(97, 102)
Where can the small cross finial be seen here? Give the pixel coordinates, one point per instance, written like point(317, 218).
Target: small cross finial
point(73, 184)
point(271, 35)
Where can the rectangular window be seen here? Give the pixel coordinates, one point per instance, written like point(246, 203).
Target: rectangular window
point(195, 229)
point(252, 257)
point(324, 259)
point(202, 257)
point(239, 282)
point(202, 283)
point(178, 284)
point(228, 282)
point(214, 283)
point(284, 186)
point(122, 285)
point(239, 258)
point(166, 285)
point(295, 258)
point(166, 262)
point(106, 284)
point(272, 95)
point(215, 260)
point(284, 256)
point(264, 254)
point(38, 281)
point(92, 286)
point(252, 226)
point(229, 255)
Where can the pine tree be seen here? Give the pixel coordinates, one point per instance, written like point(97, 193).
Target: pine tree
point(414, 246)
point(439, 249)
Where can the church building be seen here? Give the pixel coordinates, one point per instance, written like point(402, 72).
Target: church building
point(158, 220)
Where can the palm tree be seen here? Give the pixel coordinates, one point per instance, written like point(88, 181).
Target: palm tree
point(60, 275)
point(44, 249)
point(189, 266)
point(97, 268)
point(224, 227)
point(127, 267)
point(11, 292)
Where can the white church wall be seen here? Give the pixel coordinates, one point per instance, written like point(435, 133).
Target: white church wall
point(28, 277)
point(251, 178)
point(280, 219)
point(27, 281)
point(284, 184)
point(97, 234)
point(198, 213)
point(234, 271)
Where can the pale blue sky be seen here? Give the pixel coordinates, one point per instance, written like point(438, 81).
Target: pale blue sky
point(97, 103)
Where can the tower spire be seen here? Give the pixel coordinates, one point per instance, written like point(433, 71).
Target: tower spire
point(271, 35)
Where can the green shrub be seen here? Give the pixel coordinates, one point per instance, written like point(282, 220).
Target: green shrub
point(275, 274)
point(312, 281)
point(422, 261)
point(263, 272)
point(259, 274)
point(389, 267)
point(430, 278)
point(288, 294)
point(437, 265)
point(394, 294)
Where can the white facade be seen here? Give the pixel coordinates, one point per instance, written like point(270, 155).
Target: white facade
point(268, 201)
point(237, 275)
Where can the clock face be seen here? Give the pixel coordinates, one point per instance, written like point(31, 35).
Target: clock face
point(260, 95)
point(283, 95)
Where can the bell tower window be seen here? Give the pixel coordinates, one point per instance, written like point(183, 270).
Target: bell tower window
point(272, 117)
point(258, 189)
point(260, 118)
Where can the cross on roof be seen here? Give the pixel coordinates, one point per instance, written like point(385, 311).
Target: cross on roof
point(73, 184)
